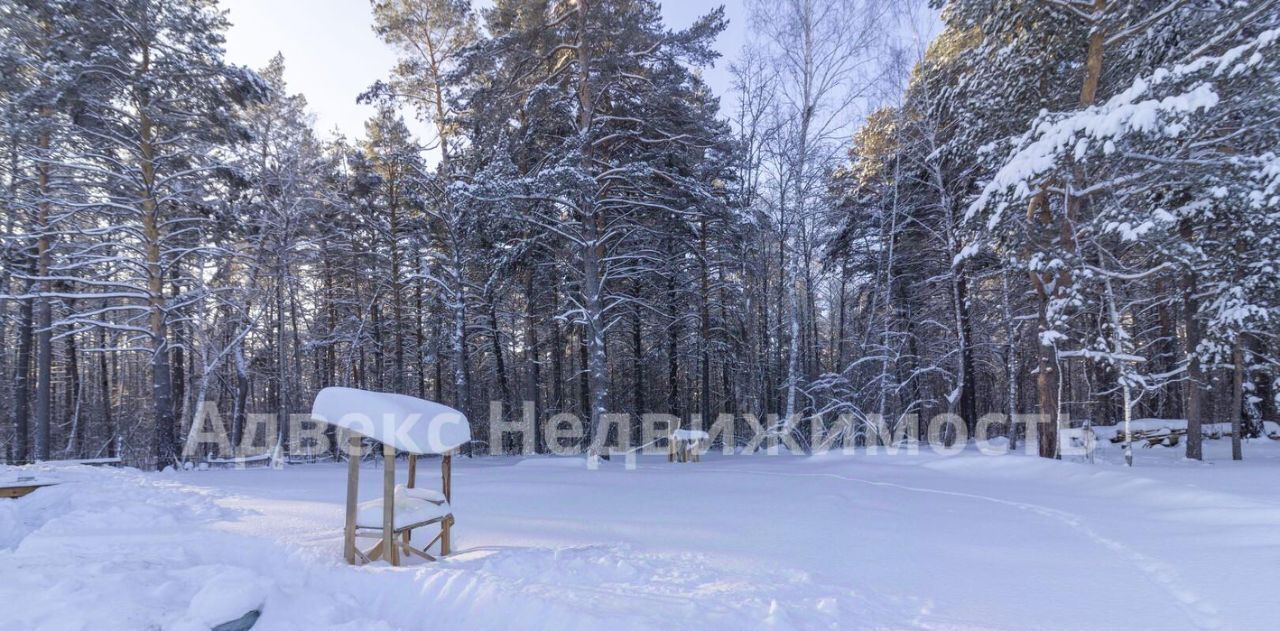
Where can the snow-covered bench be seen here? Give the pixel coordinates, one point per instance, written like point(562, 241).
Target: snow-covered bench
point(240, 462)
point(19, 486)
point(413, 508)
point(88, 462)
point(400, 423)
point(1169, 437)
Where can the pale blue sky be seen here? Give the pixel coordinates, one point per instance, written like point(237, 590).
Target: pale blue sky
point(332, 55)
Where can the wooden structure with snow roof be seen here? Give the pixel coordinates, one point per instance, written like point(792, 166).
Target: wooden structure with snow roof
point(399, 423)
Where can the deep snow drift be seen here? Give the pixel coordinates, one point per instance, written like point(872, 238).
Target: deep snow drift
point(831, 542)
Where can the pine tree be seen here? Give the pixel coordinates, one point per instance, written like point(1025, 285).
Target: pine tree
point(164, 101)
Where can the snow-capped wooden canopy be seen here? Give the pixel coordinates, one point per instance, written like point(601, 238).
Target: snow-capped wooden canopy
point(400, 423)
point(407, 423)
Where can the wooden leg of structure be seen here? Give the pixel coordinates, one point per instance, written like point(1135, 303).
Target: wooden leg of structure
point(412, 550)
point(353, 478)
point(388, 503)
point(446, 477)
point(411, 483)
point(446, 487)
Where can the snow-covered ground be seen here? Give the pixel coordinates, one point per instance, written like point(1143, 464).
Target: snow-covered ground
point(831, 542)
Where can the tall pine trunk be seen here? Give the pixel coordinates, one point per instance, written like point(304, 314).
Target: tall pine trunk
point(44, 305)
point(593, 226)
point(22, 380)
point(704, 317)
point(1194, 378)
point(104, 382)
point(163, 442)
point(533, 358)
point(1237, 397)
point(397, 288)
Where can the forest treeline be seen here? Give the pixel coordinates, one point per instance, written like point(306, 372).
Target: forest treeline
point(1068, 207)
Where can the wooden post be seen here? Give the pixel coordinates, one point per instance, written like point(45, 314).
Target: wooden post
point(410, 483)
point(388, 503)
point(446, 476)
point(353, 477)
point(446, 487)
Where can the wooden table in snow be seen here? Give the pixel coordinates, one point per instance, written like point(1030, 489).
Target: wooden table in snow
point(14, 489)
point(687, 445)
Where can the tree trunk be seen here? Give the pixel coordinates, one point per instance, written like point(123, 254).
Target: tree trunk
point(557, 357)
point(793, 359)
point(397, 288)
point(240, 394)
point(533, 357)
point(282, 356)
point(179, 370)
point(104, 381)
point(1194, 391)
point(163, 445)
point(419, 333)
point(1169, 404)
point(461, 375)
point(438, 384)
point(593, 224)
point(765, 338)
point(75, 439)
point(584, 377)
point(673, 349)
point(1011, 362)
point(44, 305)
point(1047, 378)
point(838, 344)
point(968, 375)
point(375, 323)
point(500, 365)
point(637, 355)
point(22, 380)
point(704, 317)
point(1237, 398)
point(7, 264)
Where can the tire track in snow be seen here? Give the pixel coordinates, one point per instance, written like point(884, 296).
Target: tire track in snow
point(1200, 612)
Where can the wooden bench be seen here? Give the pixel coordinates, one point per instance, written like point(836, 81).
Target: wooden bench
point(1170, 439)
point(88, 462)
point(240, 462)
point(1152, 437)
point(24, 485)
point(412, 508)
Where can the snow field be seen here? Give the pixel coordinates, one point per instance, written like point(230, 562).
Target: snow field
point(785, 542)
